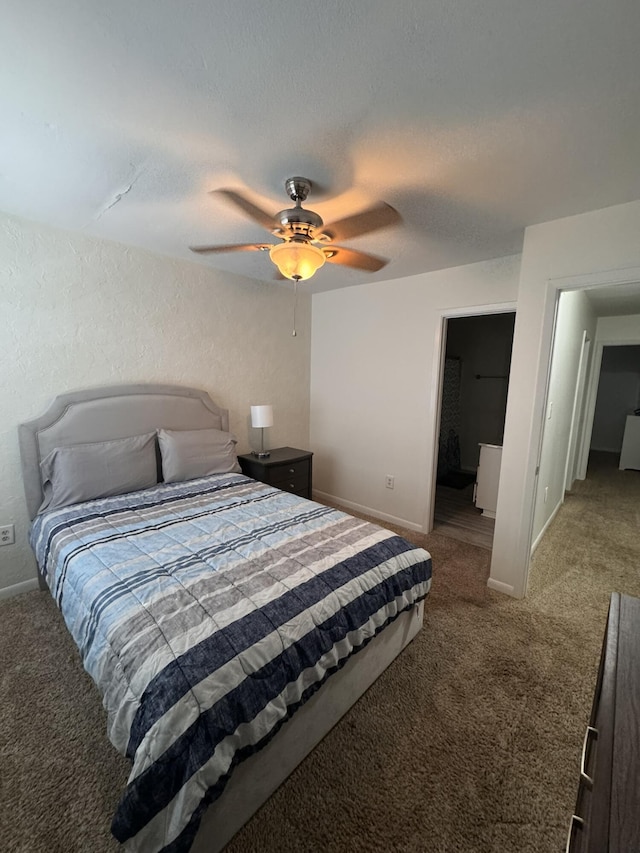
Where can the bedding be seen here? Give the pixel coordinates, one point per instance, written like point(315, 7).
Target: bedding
point(207, 612)
point(82, 472)
point(188, 454)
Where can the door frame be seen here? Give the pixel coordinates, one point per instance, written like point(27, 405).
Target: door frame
point(435, 387)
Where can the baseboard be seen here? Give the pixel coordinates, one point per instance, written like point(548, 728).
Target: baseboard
point(19, 588)
point(538, 538)
point(367, 510)
point(499, 586)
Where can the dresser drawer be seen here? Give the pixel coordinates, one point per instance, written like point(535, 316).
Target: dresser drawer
point(606, 818)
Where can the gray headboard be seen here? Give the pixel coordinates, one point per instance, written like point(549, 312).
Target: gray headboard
point(100, 414)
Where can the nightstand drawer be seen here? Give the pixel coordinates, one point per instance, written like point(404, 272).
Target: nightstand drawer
point(286, 468)
point(289, 472)
point(298, 484)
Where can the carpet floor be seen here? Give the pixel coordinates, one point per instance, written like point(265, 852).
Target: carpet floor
point(469, 742)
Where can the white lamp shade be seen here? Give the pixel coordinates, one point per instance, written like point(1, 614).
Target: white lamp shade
point(297, 260)
point(261, 416)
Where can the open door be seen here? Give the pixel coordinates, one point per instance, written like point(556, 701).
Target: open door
point(578, 416)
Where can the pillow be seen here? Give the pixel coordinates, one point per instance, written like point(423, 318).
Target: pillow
point(81, 472)
point(187, 454)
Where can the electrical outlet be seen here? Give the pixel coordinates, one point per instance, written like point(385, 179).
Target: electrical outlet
point(389, 481)
point(7, 534)
point(546, 493)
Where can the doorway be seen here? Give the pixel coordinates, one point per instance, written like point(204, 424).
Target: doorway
point(593, 364)
point(473, 398)
point(617, 399)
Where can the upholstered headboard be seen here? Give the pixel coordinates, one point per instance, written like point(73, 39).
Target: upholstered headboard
point(100, 414)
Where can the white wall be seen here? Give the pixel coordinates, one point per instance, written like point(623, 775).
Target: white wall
point(374, 347)
point(600, 247)
point(375, 353)
point(80, 312)
point(618, 331)
point(575, 316)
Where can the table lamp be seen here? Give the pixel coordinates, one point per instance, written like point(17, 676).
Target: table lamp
point(261, 417)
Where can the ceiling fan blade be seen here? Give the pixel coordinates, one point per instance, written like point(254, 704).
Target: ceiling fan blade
point(379, 216)
point(232, 247)
point(351, 258)
point(256, 213)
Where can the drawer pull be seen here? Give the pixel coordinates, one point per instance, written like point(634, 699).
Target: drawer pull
point(584, 776)
point(292, 470)
point(576, 823)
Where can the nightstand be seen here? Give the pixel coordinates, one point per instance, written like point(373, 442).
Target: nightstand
point(286, 468)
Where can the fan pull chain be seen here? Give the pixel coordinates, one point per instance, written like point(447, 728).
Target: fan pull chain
point(295, 301)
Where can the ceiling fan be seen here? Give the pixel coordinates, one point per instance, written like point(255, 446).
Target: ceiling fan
point(306, 243)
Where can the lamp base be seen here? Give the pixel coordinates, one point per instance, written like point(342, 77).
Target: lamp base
point(261, 454)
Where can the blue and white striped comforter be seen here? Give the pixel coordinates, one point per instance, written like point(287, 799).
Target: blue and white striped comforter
point(207, 612)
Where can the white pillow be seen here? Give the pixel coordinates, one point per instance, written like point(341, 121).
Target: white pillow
point(187, 454)
point(81, 472)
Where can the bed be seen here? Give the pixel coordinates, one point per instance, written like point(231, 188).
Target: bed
point(227, 624)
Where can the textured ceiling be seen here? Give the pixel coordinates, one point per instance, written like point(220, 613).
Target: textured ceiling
point(472, 118)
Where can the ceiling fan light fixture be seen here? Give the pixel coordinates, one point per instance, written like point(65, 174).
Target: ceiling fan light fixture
point(297, 260)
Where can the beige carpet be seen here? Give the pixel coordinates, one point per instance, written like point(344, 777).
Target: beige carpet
point(469, 742)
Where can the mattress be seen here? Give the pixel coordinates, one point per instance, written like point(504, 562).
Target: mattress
point(207, 612)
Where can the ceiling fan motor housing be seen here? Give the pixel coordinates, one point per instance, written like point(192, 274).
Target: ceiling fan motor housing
point(297, 221)
point(297, 188)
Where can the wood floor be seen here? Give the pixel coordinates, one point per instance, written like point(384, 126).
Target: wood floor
point(457, 516)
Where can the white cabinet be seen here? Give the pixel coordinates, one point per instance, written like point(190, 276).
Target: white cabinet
point(488, 478)
point(630, 454)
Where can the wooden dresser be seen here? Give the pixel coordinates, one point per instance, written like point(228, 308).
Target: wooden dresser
point(607, 816)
